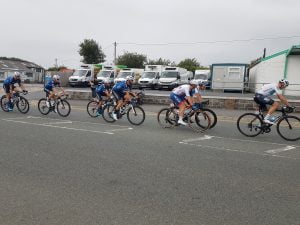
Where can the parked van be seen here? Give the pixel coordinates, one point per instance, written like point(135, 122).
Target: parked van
point(82, 76)
point(136, 73)
point(107, 73)
point(150, 76)
point(203, 76)
point(172, 77)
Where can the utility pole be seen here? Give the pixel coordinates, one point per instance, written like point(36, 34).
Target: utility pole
point(115, 53)
point(56, 65)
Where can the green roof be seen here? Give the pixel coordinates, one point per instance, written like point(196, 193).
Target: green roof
point(294, 50)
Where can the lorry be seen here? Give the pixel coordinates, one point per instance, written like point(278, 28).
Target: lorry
point(203, 76)
point(107, 73)
point(172, 77)
point(150, 76)
point(83, 75)
point(136, 73)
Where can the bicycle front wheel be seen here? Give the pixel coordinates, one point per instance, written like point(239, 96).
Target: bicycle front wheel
point(136, 115)
point(4, 102)
point(107, 113)
point(200, 122)
point(42, 106)
point(63, 108)
point(288, 127)
point(249, 124)
point(92, 108)
point(23, 105)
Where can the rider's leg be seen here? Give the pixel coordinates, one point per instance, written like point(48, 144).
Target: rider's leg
point(272, 110)
point(182, 107)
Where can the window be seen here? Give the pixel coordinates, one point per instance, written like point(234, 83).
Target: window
point(1, 75)
point(234, 72)
point(38, 70)
point(29, 74)
point(89, 73)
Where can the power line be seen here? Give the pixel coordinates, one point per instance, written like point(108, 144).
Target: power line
point(210, 42)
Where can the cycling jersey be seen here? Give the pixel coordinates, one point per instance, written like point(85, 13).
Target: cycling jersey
point(101, 89)
point(51, 84)
point(120, 87)
point(11, 81)
point(184, 90)
point(268, 90)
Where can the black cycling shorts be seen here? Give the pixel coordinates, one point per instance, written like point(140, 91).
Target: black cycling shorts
point(118, 95)
point(262, 100)
point(6, 88)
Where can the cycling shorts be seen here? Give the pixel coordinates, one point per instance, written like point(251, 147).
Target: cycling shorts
point(177, 99)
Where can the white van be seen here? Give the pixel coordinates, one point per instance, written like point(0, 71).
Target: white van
point(135, 73)
point(150, 76)
point(172, 77)
point(107, 73)
point(82, 76)
point(203, 76)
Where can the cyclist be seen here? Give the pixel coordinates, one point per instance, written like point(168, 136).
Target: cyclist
point(262, 97)
point(52, 88)
point(182, 93)
point(122, 92)
point(197, 95)
point(9, 87)
point(102, 90)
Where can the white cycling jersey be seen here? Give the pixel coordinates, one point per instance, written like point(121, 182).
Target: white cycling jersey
point(183, 90)
point(269, 90)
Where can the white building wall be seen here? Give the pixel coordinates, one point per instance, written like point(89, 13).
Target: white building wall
point(293, 75)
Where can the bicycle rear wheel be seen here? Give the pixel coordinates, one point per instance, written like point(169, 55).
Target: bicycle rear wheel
point(200, 122)
point(288, 127)
point(23, 105)
point(164, 118)
point(249, 124)
point(4, 102)
point(63, 108)
point(107, 113)
point(42, 106)
point(92, 108)
point(213, 118)
point(136, 115)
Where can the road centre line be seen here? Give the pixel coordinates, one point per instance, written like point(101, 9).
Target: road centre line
point(53, 126)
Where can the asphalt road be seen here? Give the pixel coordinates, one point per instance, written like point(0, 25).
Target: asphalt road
point(80, 170)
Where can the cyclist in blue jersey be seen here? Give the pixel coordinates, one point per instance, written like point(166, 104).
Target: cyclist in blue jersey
point(121, 91)
point(9, 87)
point(102, 90)
point(51, 89)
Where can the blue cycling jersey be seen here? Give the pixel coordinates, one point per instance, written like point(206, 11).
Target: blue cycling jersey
point(11, 81)
point(101, 89)
point(51, 84)
point(120, 87)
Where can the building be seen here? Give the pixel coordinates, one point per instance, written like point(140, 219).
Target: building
point(30, 72)
point(229, 76)
point(284, 64)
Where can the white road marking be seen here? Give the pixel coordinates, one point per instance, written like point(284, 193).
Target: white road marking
point(129, 128)
point(61, 122)
point(205, 137)
point(49, 125)
point(286, 148)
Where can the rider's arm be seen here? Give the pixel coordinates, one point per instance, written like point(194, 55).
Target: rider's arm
point(198, 97)
point(283, 99)
point(190, 100)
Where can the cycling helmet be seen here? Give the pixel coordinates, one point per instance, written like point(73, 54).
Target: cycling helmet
point(17, 74)
point(129, 78)
point(56, 77)
point(194, 82)
point(285, 82)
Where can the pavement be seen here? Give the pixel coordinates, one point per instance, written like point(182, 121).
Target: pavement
point(82, 170)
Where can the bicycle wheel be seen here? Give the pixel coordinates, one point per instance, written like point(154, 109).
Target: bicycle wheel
point(4, 103)
point(164, 118)
point(63, 108)
point(42, 106)
point(212, 115)
point(23, 105)
point(136, 115)
point(288, 127)
point(92, 108)
point(201, 118)
point(106, 113)
point(249, 124)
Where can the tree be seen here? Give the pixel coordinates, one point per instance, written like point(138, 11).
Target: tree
point(189, 64)
point(160, 61)
point(132, 60)
point(91, 52)
point(54, 68)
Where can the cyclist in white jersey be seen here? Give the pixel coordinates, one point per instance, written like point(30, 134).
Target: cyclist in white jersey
point(180, 94)
point(262, 97)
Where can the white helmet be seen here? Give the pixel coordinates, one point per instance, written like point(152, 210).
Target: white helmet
point(285, 82)
point(56, 77)
point(194, 82)
point(17, 74)
point(129, 78)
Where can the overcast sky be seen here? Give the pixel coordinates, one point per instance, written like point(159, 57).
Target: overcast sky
point(42, 30)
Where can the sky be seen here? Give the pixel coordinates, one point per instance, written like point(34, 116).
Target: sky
point(44, 30)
